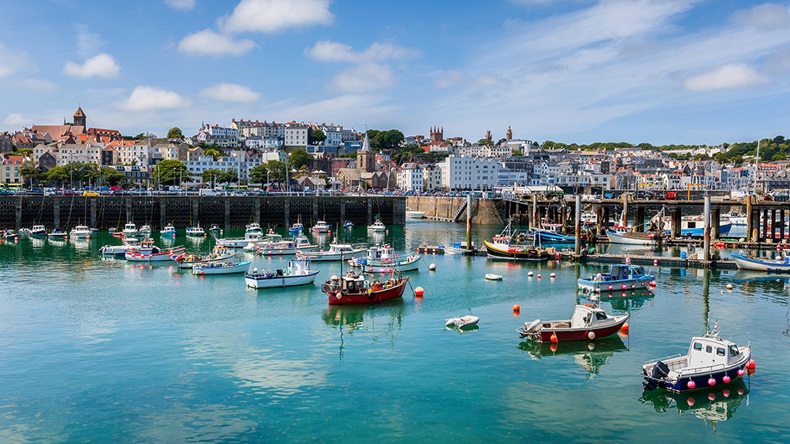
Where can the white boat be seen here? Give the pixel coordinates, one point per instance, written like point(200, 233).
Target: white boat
point(145, 231)
point(57, 234)
point(148, 252)
point(780, 264)
point(383, 259)
point(219, 254)
point(10, 236)
point(633, 238)
point(321, 227)
point(38, 231)
point(196, 231)
point(241, 242)
point(227, 267)
point(414, 214)
point(461, 321)
point(286, 247)
point(377, 226)
point(620, 277)
point(24, 232)
point(119, 250)
point(80, 232)
point(253, 227)
point(493, 277)
point(297, 273)
point(168, 231)
point(336, 252)
point(130, 230)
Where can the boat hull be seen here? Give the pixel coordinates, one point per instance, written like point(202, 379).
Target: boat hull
point(373, 297)
point(592, 285)
point(747, 263)
point(410, 264)
point(523, 253)
point(240, 267)
point(282, 251)
point(325, 256)
point(260, 281)
point(577, 334)
point(631, 239)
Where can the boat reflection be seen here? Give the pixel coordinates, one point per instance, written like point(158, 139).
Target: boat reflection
point(590, 355)
point(350, 319)
point(713, 405)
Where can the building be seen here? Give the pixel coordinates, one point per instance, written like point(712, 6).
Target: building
point(295, 135)
point(431, 178)
point(410, 177)
point(469, 173)
point(9, 174)
point(215, 135)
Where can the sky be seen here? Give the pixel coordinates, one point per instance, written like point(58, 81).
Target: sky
point(571, 71)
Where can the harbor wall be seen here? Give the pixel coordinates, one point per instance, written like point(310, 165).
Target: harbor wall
point(226, 211)
point(484, 211)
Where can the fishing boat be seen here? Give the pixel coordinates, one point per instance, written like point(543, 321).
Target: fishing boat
point(711, 361)
point(241, 242)
point(348, 224)
point(24, 232)
point(168, 231)
point(352, 288)
point(219, 254)
point(460, 248)
point(461, 322)
point(551, 234)
point(588, 322)
point(196, 231)
point(80, 232)
point(321, 227)
point(296, 229)
point(383, 259)
point(297, 273)
point(414, 214)
point(148, 252)
point(620, 277)
point(511, 245)
point(119, 251)
point(493, 277)
point(253, 227)
point(780, 264)
point(38, 231)
point(336, 252)
point(145, 231)
point(285, 247)
point(10, 236)
point(634, 238)
point(57, 234)
point(215, 230)
point(225, 267)
point(130, 230)
point(377, 226)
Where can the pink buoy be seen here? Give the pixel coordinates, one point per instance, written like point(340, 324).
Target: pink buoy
point(610, 286)
point(726, 393)
point(625, 286)
point(691, 384)
point(711, 381)
point(690, 401)
point(711, 396)
point(655, 262)
point(725, 379)
point(741, 372)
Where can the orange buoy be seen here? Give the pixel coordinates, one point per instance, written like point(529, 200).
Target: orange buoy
point(516, 308)
point(553, 338)
point(624, 327)
point(419, 292)
point(751, 365)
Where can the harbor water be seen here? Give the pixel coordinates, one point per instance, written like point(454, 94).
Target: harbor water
point(102, 350)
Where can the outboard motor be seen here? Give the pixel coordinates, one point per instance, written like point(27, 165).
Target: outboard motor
point(660, 371)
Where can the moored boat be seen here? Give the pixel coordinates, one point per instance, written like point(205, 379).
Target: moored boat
point(119, 251)
point(10, 235)
point(215, 230)
point(414, 214)
point(321, 227)
point(80, 232)
point(710, 361)
point(781, 264)
point(348, 224)
point(336, 252)
point(38, 231)
point(634, 238)
point(511, 245)
point(493, 277)
point(130, 230)
point(168, 231)
point(219, 254)
point(551, 234)
point(148, 252)
point(57, 234)
point(352, 288)
point(196, 231)
point(377, 226)
point(461, 322)
point(588, 322)
point(620, 277)
point(297, 273)
point(383, 259)
point(285, 247)
point(145, 231)
point(226, 267)
point(296, 229)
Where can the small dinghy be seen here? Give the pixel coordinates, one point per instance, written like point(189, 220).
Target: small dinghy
point(493, 277)
point(462, 321)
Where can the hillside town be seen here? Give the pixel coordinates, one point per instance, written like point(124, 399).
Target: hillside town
point(341, 159)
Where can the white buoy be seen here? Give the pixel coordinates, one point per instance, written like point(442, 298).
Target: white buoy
point(552, 275)
point(530, 274)
point(432, 267)
point(729, 286)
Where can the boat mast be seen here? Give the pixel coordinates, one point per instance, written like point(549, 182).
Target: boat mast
point(756, 168)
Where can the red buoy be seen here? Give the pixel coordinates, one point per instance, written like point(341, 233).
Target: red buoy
point(553, 338)
point(711, 381)
point(516, 308)
point(624, 327)
point(419, 292)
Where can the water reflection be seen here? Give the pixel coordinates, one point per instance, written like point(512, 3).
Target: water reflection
point(350, 319)
point(713, 405)
point(590, 355)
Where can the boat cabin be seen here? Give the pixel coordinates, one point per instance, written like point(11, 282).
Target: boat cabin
point(624, 272)
point(381, 253)
point(301, 241)
point(711, 350)
point(588, 315)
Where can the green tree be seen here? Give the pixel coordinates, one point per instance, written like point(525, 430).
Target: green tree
point(211, 176)
point(213, 152)
point(228, 176)
point(299, 158)
point(175, 133)
point(387, 140)
point(258, 174)
point(111, 176)
point(276, 170)
point(170, 171)
point(484, 142)
point(29, 171)
point(315, 136)
point(56, 175)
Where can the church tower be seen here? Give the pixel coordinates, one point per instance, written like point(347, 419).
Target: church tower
point(437, 134)
point(509, 134)
point(79, 118)
point(366, 159)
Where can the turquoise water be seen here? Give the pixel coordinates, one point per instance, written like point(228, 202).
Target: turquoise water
point(100, 350)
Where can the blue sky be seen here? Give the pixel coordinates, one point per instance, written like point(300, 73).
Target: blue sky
point(663, 71)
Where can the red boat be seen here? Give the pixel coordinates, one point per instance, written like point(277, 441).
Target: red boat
point(354, 289)
point(587, 323)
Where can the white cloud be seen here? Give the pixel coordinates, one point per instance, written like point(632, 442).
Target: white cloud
point(363, 78)
point(726, 77)
point(87, 42)
point(100, 65)
point(146, 98)
point(12, 62)
point(16, 120)
point(181, 4)
point(229, 92)
point(329, 51)
point(765, 16)
point(208, 42)
point(269, 16)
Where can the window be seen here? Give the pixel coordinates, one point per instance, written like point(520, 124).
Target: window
point(709, 349)
point(697, 346)
point(720, 351)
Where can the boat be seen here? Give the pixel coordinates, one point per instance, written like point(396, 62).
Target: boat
point(511, 245)
point(297, 273)
point(196, 231)
point(57, 234)
point(130, 230)
point(321, 227)
point(414, 214)
point(588, 322)
point(226, 267)
point(145, 231)
point(383, 259)
point(296, 229)
point(253, 227)
point(241, 242)
point(493, 277)
point(781, 264)
point(336, 252)
point(348, 224)
point(168, 231)
point(38, 231)
point(377, 226)
point(215, 230)
point(461, 322)
point(620, 277)
point(634, 238)
point(119, 251)
point(352, 288)
point(460, 248)
point(80, 232)
point(551, 234)
point(285, 247)
point(711, 361)
point(10, 236)
point(148, 252)
point(24, 232)
point(219, 254)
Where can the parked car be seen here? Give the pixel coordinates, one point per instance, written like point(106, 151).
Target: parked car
point(90, 193)
point(671, 195)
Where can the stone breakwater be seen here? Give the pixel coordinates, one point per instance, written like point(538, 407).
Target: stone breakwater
point(226, 211)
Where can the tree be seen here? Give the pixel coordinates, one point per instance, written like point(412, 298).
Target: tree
point(315, 137)
point(211, 176)
point(258, 174)
point(484, 142)
point(29, 171)
point(175, 133)
point(299, 158)
point(228, 176)
point(276, 170)
point(213, 152)
point(391, 139)
point(111, 176)
point(170, 171)
point(56, 175)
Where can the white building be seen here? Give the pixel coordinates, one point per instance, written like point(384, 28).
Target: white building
point(219, 136)
point(410, 177)
point(295, 135)
point(469, 173)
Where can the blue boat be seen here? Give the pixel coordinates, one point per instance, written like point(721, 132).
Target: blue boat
point(550, 234)
point(348, 224)
point(621, 277)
